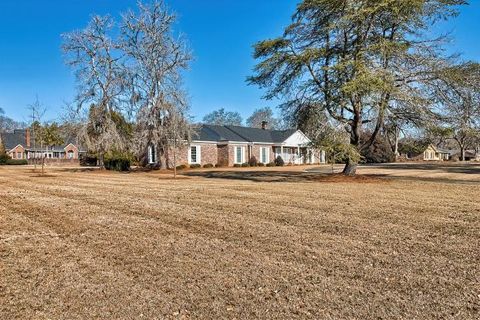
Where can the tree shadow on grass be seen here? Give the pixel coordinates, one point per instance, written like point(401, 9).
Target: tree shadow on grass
point(456, 168)
point(283, 176)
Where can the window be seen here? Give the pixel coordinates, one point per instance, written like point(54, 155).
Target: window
point(264, 155)
point(152, 154)
point(19, 155)
point(195, 155)
point(70, 154)
point(239, 155)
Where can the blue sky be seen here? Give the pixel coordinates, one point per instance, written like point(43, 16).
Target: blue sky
point(220, 32)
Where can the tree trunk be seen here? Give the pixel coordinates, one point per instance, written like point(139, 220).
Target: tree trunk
point(101, 162)
point(350, 168)
point(163, 160)
point(397, 138)
point(462, 153)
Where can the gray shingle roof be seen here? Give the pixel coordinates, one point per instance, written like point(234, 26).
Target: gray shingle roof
point(12, 139)
point(216, 133)
point(18, 137)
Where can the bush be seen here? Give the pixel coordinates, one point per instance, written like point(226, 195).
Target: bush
point(237, 165)
point(279, 162)
point(117, 161)
point(195, 166)
point(260, 164)
point(182, 167)
point(14, 162)
point(271, 164)
point(4, 158)
point(88, 160)
point(208, 166)
point(253, 162)
point(245, 165)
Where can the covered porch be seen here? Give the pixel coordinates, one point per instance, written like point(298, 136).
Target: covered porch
point(299, 154)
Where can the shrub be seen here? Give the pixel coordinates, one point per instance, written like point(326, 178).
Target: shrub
point(4, 158)
point(208, 166)
point(88, 160)
point(221, 164)
point(195, 166)
point(14, 162)
point(182, 167)
point(253, 162)
point(260, 164)
point(271, 164)
point(279, 162)
point(237, 165)
point(245, 165)
point(117, 161)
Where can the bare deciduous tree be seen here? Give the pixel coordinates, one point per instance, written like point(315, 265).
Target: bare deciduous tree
point(222, 117)
point(156, 59)
point(97, 62)
point(263, 114)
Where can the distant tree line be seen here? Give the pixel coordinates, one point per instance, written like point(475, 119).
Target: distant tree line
point(259, 116)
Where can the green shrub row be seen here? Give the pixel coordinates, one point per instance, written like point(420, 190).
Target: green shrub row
point(197, 166)
point(117, 161)
point(14, 162)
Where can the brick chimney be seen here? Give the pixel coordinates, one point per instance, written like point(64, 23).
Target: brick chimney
point(27, 137)
point(264, 125)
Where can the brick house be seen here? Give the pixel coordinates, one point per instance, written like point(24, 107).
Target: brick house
point(230, 145)
point(20, 145)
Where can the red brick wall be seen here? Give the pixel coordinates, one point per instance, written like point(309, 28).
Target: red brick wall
point(13, 153)
point(71, 147)
point(256, 152)
point(231, 153)
point(223, 155)
point(208, 154)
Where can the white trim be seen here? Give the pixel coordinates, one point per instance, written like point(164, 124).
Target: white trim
point(198, 149)
point(11, 150)
point(267, 155)
point(235, 154)
point(70, 144)
point(209, 142)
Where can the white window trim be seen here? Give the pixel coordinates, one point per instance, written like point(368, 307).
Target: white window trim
point(267, 155)
point(235, 155)
point(199, 154)
point(150, 154)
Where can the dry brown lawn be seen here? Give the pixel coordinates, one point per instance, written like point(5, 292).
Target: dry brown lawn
point(239, 245)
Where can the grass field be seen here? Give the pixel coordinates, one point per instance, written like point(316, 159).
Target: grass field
point(397, 243)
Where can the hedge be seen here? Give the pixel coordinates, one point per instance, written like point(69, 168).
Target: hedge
point(14, 162)
point(117, 162)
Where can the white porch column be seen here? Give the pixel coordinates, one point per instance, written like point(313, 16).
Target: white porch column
point(281, 153)
point(298, 156)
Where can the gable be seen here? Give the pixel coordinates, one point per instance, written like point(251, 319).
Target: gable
point(298, 138)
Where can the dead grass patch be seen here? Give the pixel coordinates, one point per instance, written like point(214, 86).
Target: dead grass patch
point(83, 245)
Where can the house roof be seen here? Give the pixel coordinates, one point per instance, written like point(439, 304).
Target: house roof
point(12, 139)
point(216, 133)
point(18, 137)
